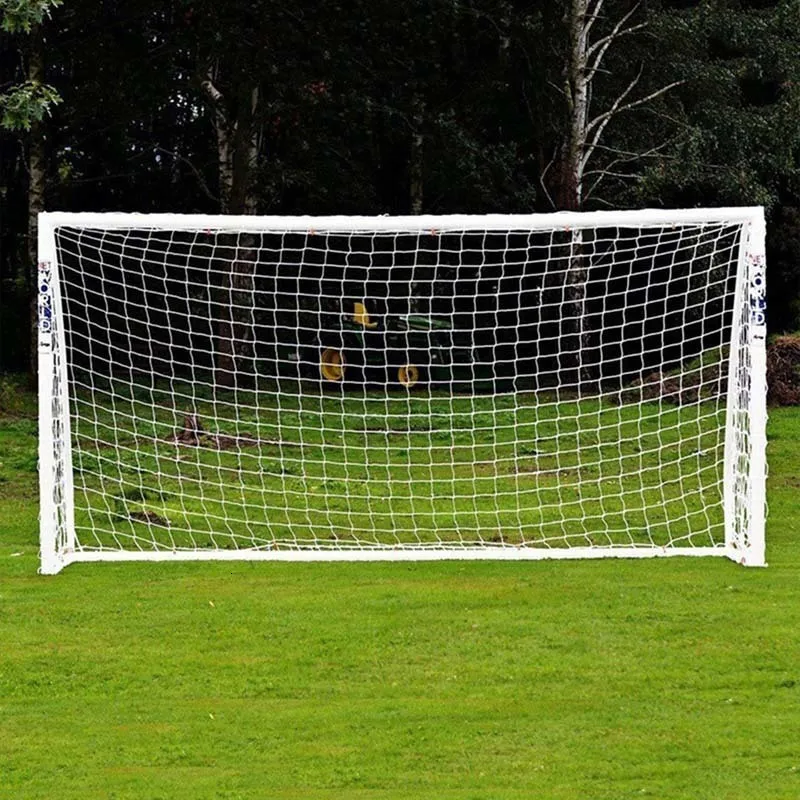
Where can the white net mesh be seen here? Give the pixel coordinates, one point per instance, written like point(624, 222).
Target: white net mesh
point(447, 390)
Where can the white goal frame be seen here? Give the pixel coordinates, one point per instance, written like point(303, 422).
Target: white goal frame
point(744, 541)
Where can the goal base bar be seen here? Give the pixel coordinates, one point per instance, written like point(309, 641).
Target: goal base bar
point(409, 554)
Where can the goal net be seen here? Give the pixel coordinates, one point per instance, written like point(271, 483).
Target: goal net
point(521, 387)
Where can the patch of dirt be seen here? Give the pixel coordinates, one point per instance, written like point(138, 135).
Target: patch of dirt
point(783, 379)
point(684, 389)
point(193, 434)
point(149, 518)
point(783, 371)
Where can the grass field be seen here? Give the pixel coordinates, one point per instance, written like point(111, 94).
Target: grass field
point(277, 469)
point(673, 678)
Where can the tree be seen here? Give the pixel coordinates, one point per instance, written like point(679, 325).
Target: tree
point(23, 106)
point(25, 103)
point(377, 107)
point(593, 29)
point(737, 107)
point(736, 112)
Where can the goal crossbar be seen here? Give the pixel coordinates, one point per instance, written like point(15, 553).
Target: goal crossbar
point(577, 220)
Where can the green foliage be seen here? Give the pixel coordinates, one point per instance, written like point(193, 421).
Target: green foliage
point(738, 139)
point(30, 101)
point(25, 104)
point(345, 88)
point(21, 16)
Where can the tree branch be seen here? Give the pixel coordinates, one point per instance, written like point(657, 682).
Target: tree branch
point(592, 15)
point(595, 65)
point(631, 155)
point(542, 177)
point(601, 120)
point(196, 172)
point(620, 108)
point(616, 31)
point(625, 157)
point(208, 87)
point(597, 50)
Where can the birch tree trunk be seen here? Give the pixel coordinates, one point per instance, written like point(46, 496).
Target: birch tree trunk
point(576, 84)
point(577, 337)
point(583, 132)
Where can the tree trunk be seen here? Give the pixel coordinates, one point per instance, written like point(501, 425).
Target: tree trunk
point(222, 132)
point(569, 195)
point(244, 156)
point(237, 146)
point(416, 185)
point(235, 352)
point(577, 337)
point(583, 133)
point(36, 189)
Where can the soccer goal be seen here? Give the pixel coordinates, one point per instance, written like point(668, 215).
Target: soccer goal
point(360, 388)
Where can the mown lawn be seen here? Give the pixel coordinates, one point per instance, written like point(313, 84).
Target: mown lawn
point(675, 678)
point(170, 468)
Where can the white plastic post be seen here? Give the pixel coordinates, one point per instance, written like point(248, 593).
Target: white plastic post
point(563, 220)
point(733, 403)
point(66, 543)
point(754, 552)
point(48, 512)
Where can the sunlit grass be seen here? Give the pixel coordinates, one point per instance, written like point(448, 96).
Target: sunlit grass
point(288, 467)
point(667, 679)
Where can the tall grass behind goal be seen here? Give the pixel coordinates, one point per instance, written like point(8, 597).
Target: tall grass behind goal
point(296, 388)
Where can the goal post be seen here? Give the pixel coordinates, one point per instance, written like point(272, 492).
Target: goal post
point(569, 385)
point(746, 407)
point(56, 489)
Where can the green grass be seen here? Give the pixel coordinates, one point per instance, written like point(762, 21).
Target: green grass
point(355, 469)
point(673, 678)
